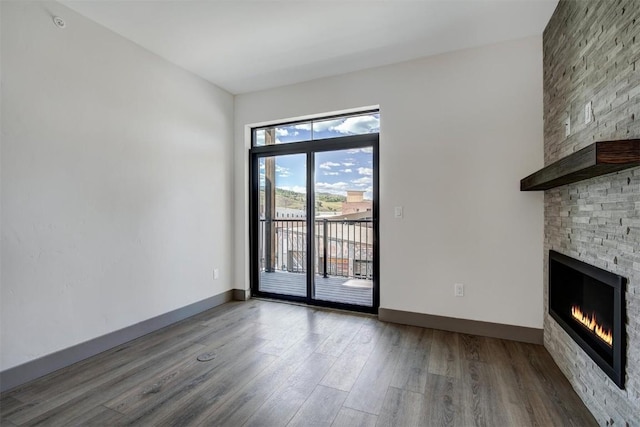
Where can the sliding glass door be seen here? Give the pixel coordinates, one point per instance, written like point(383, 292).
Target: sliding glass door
point(314, 217)
point(282, 225)
point(343, 226)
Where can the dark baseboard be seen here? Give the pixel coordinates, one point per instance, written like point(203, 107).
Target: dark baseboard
point(465, 326)
point(21, 374)
point(241, 295)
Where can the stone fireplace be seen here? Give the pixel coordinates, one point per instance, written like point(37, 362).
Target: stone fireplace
point(592, 55)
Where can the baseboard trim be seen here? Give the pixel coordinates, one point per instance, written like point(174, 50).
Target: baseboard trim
point(31, 370)
point(241, 295)
point(465, 326)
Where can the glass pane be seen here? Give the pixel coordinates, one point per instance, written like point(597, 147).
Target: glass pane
point(282, 230)
point(358, 124)
point(345, 126)
point(282, 134)
point(344, 226)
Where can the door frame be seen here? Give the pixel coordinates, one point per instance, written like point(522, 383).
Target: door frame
point(310, 148)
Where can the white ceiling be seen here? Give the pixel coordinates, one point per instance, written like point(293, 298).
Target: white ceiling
point(244, 46)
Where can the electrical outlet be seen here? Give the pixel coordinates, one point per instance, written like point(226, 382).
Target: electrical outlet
point(567, 126)
point(216, 273)
point(458, 289)
point(398, 212)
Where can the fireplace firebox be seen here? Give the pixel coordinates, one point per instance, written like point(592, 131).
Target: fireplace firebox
point(588, 303)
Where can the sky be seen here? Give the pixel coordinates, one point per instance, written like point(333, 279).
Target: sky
point(336, 171)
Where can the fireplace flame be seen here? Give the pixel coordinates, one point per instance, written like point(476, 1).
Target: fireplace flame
point(590, 322)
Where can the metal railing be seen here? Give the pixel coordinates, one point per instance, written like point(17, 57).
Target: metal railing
point(342, 247)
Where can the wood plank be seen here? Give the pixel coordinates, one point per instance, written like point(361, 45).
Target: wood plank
point(85, 372)
point(248, 398)
point(76, 408)
point(348, 417)
point(512, 386)
point(192, 397)
point(320, 409)
point(442, 401)
point(6, 423)
point(98, 416)
point(597, 159)
point(481, 405)
point(50, 404)
point(276, 315)
point(412, 370)
point(155, 387)
point(344, 373)
point(341, 337)
point(445, 354)
point(401, 408)
point(280, 408)
point(521, 388)
point(9, 405)
point(280, 340)
point(370, 389)
point(474, 348)
point(556, 387)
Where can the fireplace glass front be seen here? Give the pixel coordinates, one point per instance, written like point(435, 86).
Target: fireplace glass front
point(588, 303)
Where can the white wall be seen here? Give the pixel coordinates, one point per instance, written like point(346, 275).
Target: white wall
point(458, 132)
point(116, 183)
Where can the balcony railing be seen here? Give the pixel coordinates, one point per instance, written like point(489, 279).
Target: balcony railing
point(342, 248)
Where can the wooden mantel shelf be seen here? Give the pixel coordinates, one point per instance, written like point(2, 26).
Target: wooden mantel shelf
point(597, 159)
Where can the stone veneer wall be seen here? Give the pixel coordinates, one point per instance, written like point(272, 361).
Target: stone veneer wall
point(592, 53)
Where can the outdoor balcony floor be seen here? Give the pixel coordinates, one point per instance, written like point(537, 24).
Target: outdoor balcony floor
point(333, 288)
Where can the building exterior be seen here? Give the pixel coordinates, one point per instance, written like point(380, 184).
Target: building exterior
point(356, 203)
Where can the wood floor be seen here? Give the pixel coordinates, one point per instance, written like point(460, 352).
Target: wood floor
point(279, 364)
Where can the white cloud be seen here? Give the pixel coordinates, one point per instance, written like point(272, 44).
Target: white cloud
point(282, 171)
point(333, 188)
point(365, 171)
point(331, 173)
point(359, 125)
point(288, 131)
point(329, 165)
point(327, 125)
point(303, 126)
point(360, 150)
point(361, 182)
point(347, 170)
point(348, 164)
point(350, 126)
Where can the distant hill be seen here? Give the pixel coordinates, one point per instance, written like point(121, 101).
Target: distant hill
point(325, 202)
